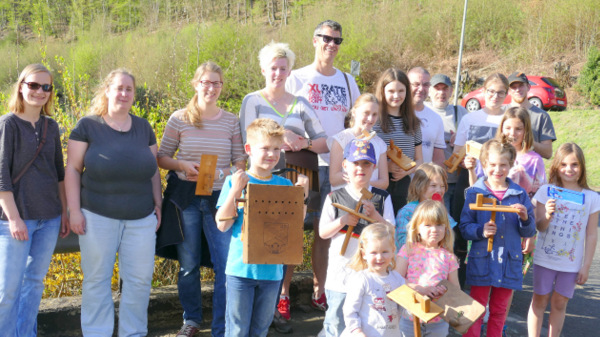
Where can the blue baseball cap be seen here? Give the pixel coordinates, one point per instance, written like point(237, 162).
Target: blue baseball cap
point(359, 149)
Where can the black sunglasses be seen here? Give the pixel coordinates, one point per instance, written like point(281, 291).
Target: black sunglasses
point(36, 86)
point(327, 39)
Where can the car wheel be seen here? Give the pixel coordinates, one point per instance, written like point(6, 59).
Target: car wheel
point(537, 102)
point(473, 105)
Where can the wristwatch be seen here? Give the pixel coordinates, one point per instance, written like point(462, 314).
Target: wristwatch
point(309, 142)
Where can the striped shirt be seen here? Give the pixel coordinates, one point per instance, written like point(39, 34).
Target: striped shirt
point(220, 135)
point(402, 140)
point(301, 120)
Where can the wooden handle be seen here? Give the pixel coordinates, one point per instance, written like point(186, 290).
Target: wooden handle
point(346, 240)
point(491, 238)
point(417, 326)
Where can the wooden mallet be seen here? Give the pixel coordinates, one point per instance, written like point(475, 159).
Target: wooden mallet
point(489, 204)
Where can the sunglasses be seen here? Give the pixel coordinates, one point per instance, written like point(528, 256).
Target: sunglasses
point(36, 86)
point(327, 39)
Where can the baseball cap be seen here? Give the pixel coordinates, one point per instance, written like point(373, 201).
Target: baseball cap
point(359, 149)
point(517, 77)
point(440, 78)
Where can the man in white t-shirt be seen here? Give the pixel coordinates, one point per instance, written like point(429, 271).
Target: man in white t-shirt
point(331, 93)
point(541, 124)
point(440, 93)
point(432, 126)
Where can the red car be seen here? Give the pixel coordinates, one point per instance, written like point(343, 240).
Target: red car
point(545, 93)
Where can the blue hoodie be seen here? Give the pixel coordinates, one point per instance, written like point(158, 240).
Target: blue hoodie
point(502, 266)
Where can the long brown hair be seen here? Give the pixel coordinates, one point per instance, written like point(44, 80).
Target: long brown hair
point(561, 153)
point(407, 113)
point(420, 182)
point(16, 105)
point(193, 113)
point(99, 105)
point(523, 115)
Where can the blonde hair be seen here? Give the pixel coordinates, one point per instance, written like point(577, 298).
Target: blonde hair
point(523, 115)
point(264, 128)
point(99, 104)
point(193, 114)
point(430, 212)
point(276, 50)
point(16, 104)
point(361, 100)
point(501, 147)
point(561, 153)
point(379, 231)
point(420, 182)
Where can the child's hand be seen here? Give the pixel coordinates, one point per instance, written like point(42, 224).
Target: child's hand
point(470, 162)
point(528, 245)
point(582, 276)
point(522, 211)
point(349, 219)
point(303, 181)
point(433, 291)
point(368, 208)
point(550, 208)
point(239, 180)
point(489, 229)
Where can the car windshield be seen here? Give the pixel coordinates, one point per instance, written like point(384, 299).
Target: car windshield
point(551, 81)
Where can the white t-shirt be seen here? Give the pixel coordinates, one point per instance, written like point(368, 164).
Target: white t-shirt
point(367, 306)
point(561, 246)
point(432, 131)
point(477, 126)
point(338, 273)
point(345, 137)
point(328, 95)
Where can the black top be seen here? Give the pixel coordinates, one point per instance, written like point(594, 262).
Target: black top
point(118, 168)
point(36, 194)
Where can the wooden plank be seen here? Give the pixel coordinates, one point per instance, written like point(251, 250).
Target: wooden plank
point(206, 174)
point(411, 301)
point(459, 309)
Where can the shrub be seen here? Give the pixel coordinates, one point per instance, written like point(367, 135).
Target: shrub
point(589, 78)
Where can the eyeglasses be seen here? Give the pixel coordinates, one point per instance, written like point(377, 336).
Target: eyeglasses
point(417, 84)
point(36, 86)
point(491, 93)
point(208, 84)
point(327, 39)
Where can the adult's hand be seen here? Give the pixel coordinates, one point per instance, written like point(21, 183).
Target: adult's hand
point(189, 168)
point(18, 229)
point(77, 222)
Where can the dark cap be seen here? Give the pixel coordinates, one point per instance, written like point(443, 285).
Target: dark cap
point(517, 77)
point(440, 78)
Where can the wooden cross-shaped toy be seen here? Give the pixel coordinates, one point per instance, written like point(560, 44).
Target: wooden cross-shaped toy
point(489, 204)
point(364, 194)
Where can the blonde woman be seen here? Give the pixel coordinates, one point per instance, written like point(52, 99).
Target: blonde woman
point(114, 197)
point(201, 128)
point(32, 199)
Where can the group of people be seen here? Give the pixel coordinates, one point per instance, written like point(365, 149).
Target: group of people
point(110, 194)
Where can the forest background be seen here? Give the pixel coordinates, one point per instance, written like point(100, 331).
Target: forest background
point(163, 42)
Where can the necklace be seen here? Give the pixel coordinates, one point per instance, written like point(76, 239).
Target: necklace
point(269, 99)
point(119, 126)
point(260, 177)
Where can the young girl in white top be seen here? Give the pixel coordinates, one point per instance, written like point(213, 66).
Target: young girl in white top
point(426, 259)
point(367, 310)
point(363, 116)
point(566, 240)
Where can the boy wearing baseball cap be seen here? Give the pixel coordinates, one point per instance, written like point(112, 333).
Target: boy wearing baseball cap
point(359, 163)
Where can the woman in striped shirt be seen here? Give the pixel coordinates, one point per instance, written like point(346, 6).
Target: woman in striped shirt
point(201, 128)
point(398, 122)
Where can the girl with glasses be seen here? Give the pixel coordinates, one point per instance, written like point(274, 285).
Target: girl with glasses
point(32, 199)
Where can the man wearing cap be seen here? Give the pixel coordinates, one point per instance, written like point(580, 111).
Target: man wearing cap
point(439, 94)
point(331, 93)
point(432, 126)
point(541, 124)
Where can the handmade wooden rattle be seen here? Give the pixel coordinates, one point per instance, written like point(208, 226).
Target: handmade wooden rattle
point(489, 204)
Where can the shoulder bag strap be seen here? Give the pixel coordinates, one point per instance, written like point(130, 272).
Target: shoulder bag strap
point(37, 152)
point(349, 91)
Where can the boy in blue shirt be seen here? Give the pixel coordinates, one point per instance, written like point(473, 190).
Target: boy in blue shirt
point(252, 289)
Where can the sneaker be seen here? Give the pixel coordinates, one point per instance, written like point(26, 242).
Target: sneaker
point(319, 303)
point(281, 325)
point(187, 331)
point(284, 307)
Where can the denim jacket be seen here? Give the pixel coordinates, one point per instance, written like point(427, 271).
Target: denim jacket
point(502, 266)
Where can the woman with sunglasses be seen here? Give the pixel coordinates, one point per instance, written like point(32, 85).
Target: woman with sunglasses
point(479, 126)
point(32, 199)
point(201, 128)
point(114, 197)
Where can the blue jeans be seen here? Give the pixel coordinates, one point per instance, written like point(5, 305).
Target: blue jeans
point(249, 306)
point(134, 241)
point(198, 218)
point(437, 329)
point(23, 265)
point(334, 316)
point(449, 195)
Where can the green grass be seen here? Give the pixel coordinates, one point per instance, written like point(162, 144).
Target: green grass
point(581, 127)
